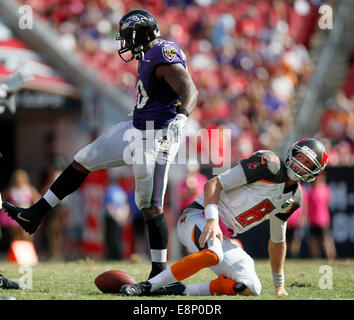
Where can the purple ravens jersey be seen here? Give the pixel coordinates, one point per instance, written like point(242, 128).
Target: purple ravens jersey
point(156, 99)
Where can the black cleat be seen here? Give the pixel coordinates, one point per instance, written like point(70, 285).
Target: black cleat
point(176, 288)
point(239, 287)
point(8, 284)
point(137, 289)
point(23, 217)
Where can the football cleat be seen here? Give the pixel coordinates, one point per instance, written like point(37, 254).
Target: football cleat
point(29, 222)
point(8, 284)
point(176, 288)
point(136, 289)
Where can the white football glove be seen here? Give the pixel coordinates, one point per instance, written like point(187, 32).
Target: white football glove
point(174, 130)
point(12, 84)
point(16, 80)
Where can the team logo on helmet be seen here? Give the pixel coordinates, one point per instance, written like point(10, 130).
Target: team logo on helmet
point(169, 53)
point(324, 159)
point(133, 20)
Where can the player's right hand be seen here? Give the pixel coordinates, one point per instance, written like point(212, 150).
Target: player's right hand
point(19, 78)
point(174, 130)
point(211, 231)
point(280, 291)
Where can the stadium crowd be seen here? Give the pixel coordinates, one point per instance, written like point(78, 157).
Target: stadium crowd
point(249, 60)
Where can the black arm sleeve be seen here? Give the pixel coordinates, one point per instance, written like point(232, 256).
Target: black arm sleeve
point(294, 206)
point(263, 164)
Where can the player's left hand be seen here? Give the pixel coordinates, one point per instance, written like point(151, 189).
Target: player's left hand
point(174, 130)
point(280, 291)
point(211, 231)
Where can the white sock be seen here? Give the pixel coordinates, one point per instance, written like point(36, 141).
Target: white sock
point(159, 255)
point(197, 289)
point(51, 198)
point(163, 278)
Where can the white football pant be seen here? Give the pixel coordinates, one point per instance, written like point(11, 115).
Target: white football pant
point(236, 264)
point(147, 150)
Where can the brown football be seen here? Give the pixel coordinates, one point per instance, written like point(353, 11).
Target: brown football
point(112, 280)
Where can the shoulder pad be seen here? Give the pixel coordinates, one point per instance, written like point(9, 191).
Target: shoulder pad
point(271, 160)
point(268, 160)
point(166, 52)
point(263, 164)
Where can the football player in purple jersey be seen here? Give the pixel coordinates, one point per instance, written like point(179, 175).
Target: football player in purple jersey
point(166, 95)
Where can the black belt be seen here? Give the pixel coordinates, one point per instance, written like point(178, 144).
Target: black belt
point(195, 205)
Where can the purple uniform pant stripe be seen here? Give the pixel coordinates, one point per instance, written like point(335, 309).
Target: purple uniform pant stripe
point(159, 181)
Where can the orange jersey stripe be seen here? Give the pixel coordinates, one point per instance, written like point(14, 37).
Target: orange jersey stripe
point(193, 233)
point(266, 181)
point(290, 208)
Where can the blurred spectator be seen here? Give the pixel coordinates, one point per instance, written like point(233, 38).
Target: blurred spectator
point(139, 243)
point(22, 193)
point(319, 198)
point(74, 222)
point(50, 237)
point(249, 60)
point(295, 229)
point(230, 46)
point(223, 31)
point(302, 21)
point(348, 84)
point(337, 123)
point(191, 186)
point(116, 214)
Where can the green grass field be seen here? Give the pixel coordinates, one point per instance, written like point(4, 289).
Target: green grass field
point(75, 280)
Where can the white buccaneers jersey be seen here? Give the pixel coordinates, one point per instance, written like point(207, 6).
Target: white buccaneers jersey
point(253, 192)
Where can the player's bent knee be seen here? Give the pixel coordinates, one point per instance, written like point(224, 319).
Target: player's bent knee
point(148, 213)
point(157, 210)
point(79, 167)
point(151, 212)
point(217, 249)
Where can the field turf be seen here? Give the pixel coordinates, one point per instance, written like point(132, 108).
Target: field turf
point(75, 280)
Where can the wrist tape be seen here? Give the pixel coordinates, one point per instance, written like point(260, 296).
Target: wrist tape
point(211, 211)
point(278, 279)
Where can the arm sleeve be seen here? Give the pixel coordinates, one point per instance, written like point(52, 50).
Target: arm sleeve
point(263, 164)
point(277, 229)
point(232, 178)
point(284, 216)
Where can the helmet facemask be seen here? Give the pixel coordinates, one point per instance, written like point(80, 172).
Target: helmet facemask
point(296, 170)
point(128, 44)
